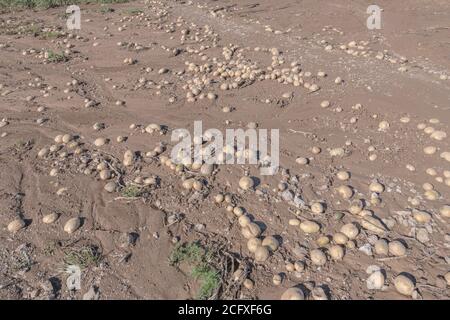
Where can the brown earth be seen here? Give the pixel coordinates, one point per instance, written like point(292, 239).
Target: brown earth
point(408, 82)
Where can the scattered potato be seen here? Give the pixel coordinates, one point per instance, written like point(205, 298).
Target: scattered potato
point(381, 247)
point(293, 293)
point(253, 244)
point(336, 252)
point(404, 285)
point(396, 248)
point(271, 243)
point(246, 183)
point(50, 218)
point(318, 257)
point(262, 253)
point(350, 230)
point(16, 225)
point(72, 225)
point(308, 226)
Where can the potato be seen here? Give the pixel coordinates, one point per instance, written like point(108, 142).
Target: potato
point(290, 267)
point(337, 152)
point(246, 183)
point(197, 185)
point(356, 207)
point(376, 187)
point(67, 138)
point(254, 229)
point(343, 175)
point(247, 233)
point(427, 186)
point(302, 160)
point(396, 248)
point(421, 216)
point(163, 159)
point(16, 225)
point(262, 253)
point(351, 244)
point(128, 158)
point(447, 278)
point(318, 293)
point(429, 150)
point(282, 186)
point(445, 211)
point(150, 181)
point(219, 198)
point(375, 200)
point(228, 198)
point(249, 284)
point(308, 226)
point(316, 150)
point(53, 172)
point(253, 244)
point(383, 125)
point(350, 230)
point(238, 211)
point(244, 220)
point(340, 238)
point(432, 195)
point(271, 243)
point(100, 142)
point(299, 266)
point(381, 247)
point(277, 279)
point(59, 138)
point(438, 135)
point(317, 208)
point(404, 285)
point(323, 241)
point(188, 184)
point(153, 127)
point(318, 257)
point(43, 152)
point(72, 225)
point(229, 208)
point(345, 192)
point(50, 218)
point(293, 293)
point(336, 252)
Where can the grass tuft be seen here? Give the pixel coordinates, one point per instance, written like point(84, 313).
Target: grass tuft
point(51, 35)
point(198, 258)
point(55, 57)
point(133, 11)
point(209, 279)
point(106, 10)
point(83, 257)
point(132, 191)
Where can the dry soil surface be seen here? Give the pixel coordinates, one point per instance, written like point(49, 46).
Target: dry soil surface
point(373, 103)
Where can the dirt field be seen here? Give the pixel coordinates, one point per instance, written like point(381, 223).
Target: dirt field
point(359, 208)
